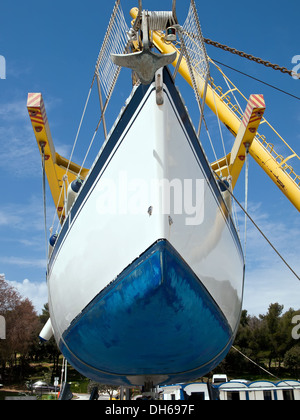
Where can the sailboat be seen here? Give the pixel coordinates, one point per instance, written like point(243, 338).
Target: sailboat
point(146, 275)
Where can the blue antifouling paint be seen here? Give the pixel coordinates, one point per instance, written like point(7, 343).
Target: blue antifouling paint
point(157, 318)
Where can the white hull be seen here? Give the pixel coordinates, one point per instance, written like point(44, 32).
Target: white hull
point(122, 211)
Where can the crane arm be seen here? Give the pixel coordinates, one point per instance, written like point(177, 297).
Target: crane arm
point(233, 163)
point(58, 169)
point(274, 169)
point(260, 154)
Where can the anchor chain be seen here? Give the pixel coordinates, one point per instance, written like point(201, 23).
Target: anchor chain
point(249, 57)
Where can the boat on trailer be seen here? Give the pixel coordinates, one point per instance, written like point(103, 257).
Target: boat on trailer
point(146, 276)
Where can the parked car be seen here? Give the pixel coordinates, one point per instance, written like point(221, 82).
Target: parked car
point(41, 386)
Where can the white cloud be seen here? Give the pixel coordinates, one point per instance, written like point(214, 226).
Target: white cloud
point(270, 284)
point(13, 111)
point(37, 293)
point(24, 262)
point(268, 279)
point(19, 151)
point(8, 219)
point(25, 216)
point(19, 154)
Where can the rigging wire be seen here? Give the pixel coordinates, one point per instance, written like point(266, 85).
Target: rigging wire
point(251, 57)
point(256, 364)
point(80, 125)
point(262, 368)
point(112, 88)
point(64, 371)
point(246, 196)
point(71, 157)
point(258, 80)
point(258, 228)
point(115, 40)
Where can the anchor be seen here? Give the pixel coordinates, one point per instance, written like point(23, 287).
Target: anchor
point(144, 63)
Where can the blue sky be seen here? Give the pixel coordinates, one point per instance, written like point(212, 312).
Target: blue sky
point(52, 46)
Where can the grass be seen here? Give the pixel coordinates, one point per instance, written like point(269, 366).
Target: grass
point(43, 371)
point(4, 394)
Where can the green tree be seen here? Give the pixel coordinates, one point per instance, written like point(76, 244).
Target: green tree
point(292, 360)
point(274, 333)
point(266, 338)
point(22, 327)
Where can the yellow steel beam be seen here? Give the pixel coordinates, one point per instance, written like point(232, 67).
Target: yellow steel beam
point(55, 165)
point(232, 165)
point(260, 154)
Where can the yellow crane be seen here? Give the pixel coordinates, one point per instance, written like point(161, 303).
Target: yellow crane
point(275, 165)
point(61, 172)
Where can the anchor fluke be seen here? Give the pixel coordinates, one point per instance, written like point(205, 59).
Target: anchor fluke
point(145, 63)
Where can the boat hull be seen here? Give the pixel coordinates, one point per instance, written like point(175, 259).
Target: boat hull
point(157, 318)
point(146, 278)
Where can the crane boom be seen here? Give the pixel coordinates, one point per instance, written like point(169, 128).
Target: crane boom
point(58, 169)
point(274, 169)
point(233, 163)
